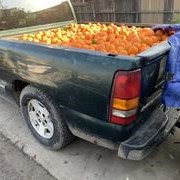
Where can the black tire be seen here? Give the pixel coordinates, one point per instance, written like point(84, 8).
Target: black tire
point(61, 135)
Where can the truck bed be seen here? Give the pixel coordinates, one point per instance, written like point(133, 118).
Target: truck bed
point(83, 70)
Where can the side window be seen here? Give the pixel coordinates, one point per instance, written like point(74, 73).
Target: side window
point(24, 13)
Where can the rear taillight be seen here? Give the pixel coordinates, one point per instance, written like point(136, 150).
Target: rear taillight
point(125, 97)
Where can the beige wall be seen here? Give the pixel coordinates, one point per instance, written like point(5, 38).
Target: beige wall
point(177, 5)
point(149, 6)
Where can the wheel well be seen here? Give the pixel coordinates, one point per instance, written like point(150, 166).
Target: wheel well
point(17, 86)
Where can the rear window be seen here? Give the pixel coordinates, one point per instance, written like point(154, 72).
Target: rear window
point(24, 13)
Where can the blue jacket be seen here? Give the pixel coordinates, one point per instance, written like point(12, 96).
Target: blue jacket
point(171, 92)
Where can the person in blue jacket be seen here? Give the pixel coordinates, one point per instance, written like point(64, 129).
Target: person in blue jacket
point(171, 91)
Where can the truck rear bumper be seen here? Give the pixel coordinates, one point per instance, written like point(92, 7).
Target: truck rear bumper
point(149, 135)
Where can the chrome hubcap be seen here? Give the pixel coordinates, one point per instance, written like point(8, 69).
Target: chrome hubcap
point(40, 119)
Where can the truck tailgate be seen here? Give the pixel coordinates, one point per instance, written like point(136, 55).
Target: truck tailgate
point(153, 72)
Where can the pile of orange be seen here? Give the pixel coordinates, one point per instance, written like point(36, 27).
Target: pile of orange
point(109, 38)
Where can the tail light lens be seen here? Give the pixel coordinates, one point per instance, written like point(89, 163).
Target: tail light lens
point(125, 97)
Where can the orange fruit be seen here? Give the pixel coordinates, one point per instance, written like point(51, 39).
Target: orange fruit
point(36, 40)
point(38, 36)
point(119, 49)
point(48, 41)
point(91, 48)
point(111, 47)
point(148, 31)
point(88, 36)
point(164, 37)
point(25, 37)
point(123, 52)
point(110, 30)
point(138, 45)
point(133, 50)
point(100, 48)
point(148, 40)
point(54, 40)
point(154, 39)
point(159, 32)
point(101, 37)
point(113, 51)
point(144, 47)
point(99, 41)
point(159, 38)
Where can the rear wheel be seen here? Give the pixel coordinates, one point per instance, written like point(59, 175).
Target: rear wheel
point(44, 118)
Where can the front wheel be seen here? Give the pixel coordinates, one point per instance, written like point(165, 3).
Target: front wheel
point(44, 118)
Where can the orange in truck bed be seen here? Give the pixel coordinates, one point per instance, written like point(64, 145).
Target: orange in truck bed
point(110, 38)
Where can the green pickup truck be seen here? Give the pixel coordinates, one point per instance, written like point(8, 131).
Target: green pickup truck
point(65, 92)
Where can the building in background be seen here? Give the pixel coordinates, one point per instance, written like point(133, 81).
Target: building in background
point(129, 11)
